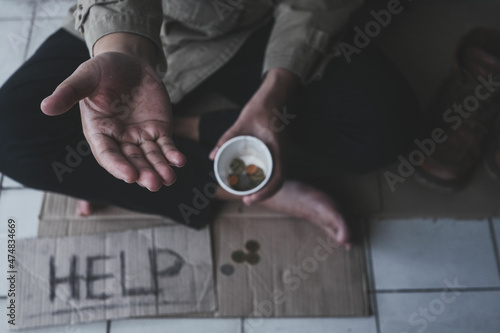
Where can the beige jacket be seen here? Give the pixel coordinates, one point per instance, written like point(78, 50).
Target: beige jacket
point(197, 37)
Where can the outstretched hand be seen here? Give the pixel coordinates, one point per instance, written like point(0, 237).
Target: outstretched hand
point(126, 117)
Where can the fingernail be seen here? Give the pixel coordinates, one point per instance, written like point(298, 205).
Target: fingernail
point(171, 183)
point(150, 190)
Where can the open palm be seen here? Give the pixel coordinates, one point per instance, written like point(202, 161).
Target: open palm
point(126, 118)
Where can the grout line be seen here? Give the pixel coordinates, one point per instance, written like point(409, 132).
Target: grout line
point(14, 18)
point(371, 275)
point(32, 24)
point(433, 290)
point(495, 244)
point(368, 253)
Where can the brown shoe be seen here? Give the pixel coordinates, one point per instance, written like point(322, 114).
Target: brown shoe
point(465, 108)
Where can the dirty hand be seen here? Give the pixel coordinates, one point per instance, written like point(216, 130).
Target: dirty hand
point(125, 111)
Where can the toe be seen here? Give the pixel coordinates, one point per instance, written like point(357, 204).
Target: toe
point(341, 231)
point(83, 208)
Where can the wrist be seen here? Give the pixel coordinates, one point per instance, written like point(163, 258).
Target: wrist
point(284, 78)
point(277, 88)
point(128, 43)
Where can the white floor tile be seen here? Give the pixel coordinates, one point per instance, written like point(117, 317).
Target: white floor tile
point(42, 28)
point(465, 312)
point(53, 8)
point(496, 228)
point(16, 8)
point(74, 328)
point(311, 325)
point(10, 183)
point(23, 205)
point(191, 325)
point(422, 253)
point(14, 40)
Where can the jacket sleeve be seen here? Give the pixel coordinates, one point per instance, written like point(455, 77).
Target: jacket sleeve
point(304, 32)
point(98, 18)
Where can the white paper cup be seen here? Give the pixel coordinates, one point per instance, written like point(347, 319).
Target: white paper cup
point(251, 151)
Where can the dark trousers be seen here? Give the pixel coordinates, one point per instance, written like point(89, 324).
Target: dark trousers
point(358, 117)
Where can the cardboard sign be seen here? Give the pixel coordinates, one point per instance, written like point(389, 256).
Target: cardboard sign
point(266, 264)
point(143, 272)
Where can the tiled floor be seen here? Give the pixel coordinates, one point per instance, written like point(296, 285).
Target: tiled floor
point(418, 254)
point(433, 275)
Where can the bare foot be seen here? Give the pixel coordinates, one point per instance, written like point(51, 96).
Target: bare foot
point(83, 208)
point(303, 201)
